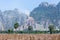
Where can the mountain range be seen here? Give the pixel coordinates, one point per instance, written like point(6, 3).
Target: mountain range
point(47, 14)
point(9, 17)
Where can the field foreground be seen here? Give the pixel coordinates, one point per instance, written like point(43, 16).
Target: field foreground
point(29, 36)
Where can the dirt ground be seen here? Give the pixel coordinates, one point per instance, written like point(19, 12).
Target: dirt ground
point(29, 36)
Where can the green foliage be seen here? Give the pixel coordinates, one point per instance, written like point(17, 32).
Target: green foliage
point(30, 28)
point(16, 25)
point(24, 32)
point(10, 31)
point(51, 28)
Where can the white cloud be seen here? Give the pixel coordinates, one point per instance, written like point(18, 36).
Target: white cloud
point(27, 12)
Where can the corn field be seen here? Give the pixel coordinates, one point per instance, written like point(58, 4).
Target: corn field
point(29, 36)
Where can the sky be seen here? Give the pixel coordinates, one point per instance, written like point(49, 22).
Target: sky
point(23, 5)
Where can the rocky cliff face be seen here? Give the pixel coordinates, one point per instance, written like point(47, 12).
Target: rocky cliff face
point(9, 17)
point(47, 14)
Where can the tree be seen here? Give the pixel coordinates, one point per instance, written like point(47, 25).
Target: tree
point(30, 28)
point(59, 28)
point(10, 31)
point(51, 28)
point(16, 25)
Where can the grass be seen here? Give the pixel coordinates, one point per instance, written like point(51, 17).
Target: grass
point(27, 32)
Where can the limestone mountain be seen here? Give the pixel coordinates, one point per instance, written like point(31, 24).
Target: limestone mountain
point(47, 14)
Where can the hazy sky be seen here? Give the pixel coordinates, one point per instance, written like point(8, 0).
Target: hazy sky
point(23, 4)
